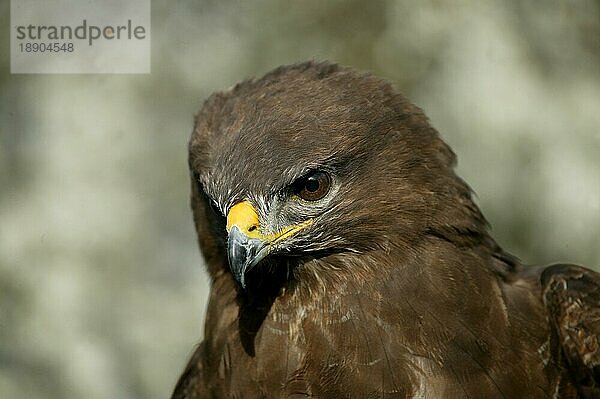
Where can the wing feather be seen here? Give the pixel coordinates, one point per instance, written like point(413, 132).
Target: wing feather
point(572, 297)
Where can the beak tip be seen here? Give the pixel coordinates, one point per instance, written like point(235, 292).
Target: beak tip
point(242, 281)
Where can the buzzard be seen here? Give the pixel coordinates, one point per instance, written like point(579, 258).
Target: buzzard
point(348, 260)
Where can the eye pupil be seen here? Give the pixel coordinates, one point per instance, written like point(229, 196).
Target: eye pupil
point(312, 184)
point(313, 187)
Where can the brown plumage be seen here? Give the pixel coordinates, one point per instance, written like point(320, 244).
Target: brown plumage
point(349, 261)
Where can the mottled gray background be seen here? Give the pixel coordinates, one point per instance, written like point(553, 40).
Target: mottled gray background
point(102, 289)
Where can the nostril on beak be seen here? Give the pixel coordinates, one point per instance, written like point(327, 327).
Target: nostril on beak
point(252, 228)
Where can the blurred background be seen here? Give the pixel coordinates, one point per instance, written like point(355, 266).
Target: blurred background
point(102, 287)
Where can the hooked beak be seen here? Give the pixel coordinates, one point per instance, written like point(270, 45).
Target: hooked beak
point(247, 245)
point(244, 253)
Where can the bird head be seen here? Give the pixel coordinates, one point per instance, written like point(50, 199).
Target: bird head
point(312, 160)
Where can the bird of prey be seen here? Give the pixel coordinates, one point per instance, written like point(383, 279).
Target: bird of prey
point(348, 260)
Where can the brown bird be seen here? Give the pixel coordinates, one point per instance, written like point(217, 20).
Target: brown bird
point(349, 261)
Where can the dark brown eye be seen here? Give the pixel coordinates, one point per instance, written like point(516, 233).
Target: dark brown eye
point(313, 187)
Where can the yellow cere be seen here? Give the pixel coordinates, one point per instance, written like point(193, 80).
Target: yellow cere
point(244, 216)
